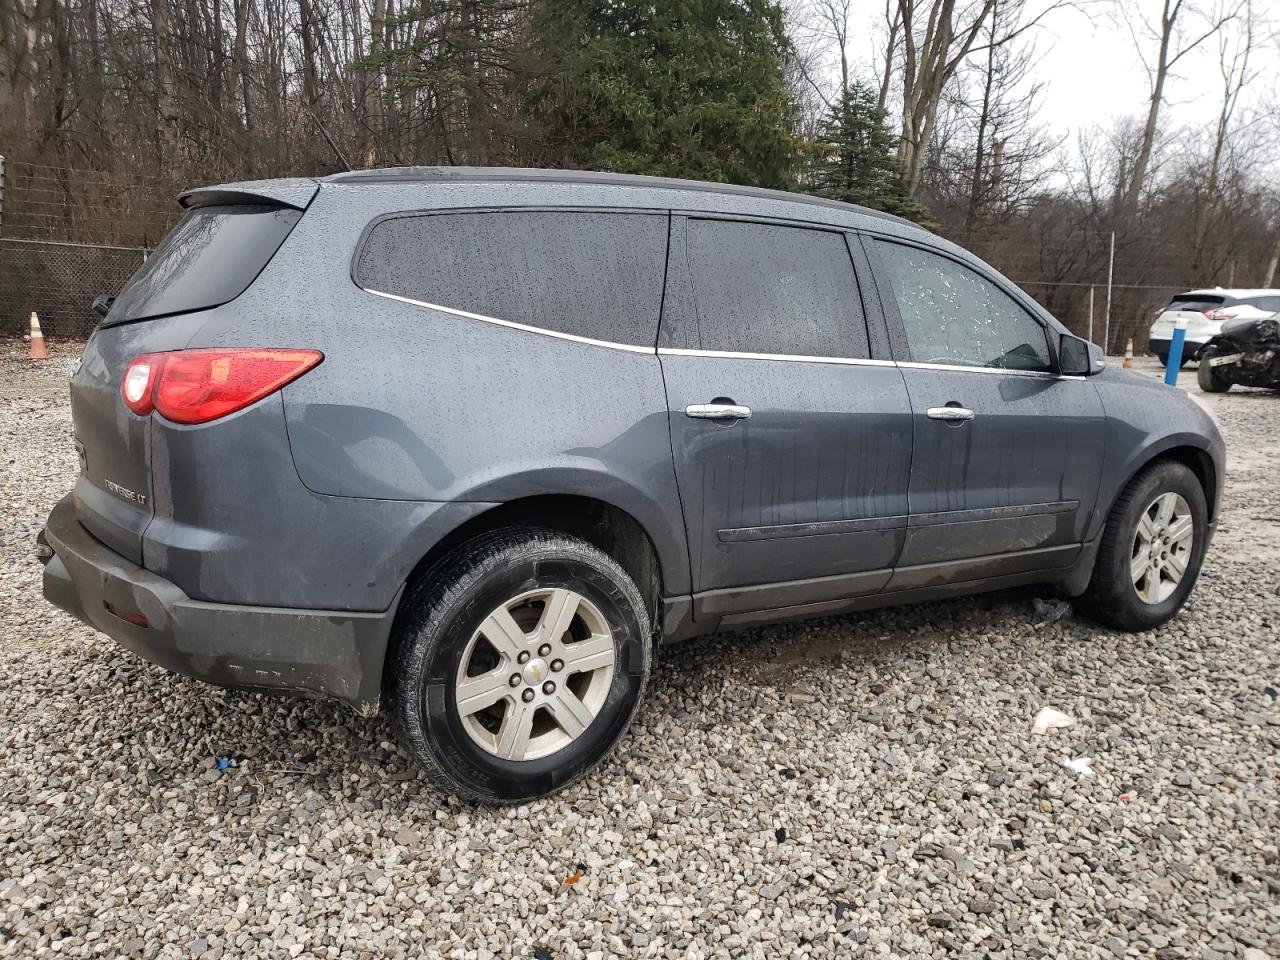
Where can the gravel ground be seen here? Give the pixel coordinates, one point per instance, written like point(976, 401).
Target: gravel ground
point(864, 785)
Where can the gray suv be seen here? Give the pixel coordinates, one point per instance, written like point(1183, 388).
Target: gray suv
point(470, 442)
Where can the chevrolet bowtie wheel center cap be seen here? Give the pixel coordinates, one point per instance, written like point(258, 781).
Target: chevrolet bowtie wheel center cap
point(535, 671)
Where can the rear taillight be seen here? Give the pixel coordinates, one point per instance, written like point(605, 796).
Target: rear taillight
point(196, 386)
point(1220, 314)
point(139, 382)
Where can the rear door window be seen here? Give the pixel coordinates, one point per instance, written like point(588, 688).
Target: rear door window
point(596, 275)
point(953, 315)
point(208, 259)
point(772, 289)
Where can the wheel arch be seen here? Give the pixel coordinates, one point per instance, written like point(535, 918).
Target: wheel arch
point(1196, 459)
point(602, 524)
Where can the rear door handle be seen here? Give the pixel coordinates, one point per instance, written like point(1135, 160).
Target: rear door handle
point(951, 414)
point(717, 411)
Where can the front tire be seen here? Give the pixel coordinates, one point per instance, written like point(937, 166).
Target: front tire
point(1151, 550)
point(1208, 377)
point(519, 663)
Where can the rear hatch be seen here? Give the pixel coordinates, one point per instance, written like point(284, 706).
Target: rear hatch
point(212, 256)
point(1195, 310)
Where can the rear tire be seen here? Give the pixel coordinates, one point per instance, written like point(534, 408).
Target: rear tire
point(1114, 596)
point(501, 620)
point(1207, 376)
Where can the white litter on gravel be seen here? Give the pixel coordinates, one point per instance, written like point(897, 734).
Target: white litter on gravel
point(1081, 765)
point(1050, 719)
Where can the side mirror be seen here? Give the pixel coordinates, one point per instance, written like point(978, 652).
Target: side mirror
point(102, 304)
point(1079, 358)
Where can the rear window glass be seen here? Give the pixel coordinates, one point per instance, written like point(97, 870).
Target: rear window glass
point(1263, 303)
point(1196, 304)
point(209, 258)
point(596, 275)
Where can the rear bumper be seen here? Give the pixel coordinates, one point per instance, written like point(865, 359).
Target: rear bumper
point(1190, 348)
point(331, 654)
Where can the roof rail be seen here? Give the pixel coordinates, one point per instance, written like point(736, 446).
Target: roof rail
point(534, 175)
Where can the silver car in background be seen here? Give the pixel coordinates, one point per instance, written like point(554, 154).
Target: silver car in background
point(1205, 312)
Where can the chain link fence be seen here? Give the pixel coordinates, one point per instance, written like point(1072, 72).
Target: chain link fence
point(59, 281)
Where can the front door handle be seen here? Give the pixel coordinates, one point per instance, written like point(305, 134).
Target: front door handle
point(950, 414)
point(717, 411)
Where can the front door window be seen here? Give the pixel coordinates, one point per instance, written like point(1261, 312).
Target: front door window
point(952, 315)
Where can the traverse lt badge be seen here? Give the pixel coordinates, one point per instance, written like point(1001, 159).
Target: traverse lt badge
point(124, 492)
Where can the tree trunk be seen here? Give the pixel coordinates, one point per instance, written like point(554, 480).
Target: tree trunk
point(1137, 179)
point(25, 77)
point(1232, 83)
point(98, 79)
point(980, 153)
point(239, 81)
point(166, 106)
point(929, 64)
point(310, 82)
point(893, 20)
point(373, 82)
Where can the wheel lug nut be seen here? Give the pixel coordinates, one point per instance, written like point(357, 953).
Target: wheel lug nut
point(523, 657)
point(544, 649)
point(527, 695)
point(557, 665)
point(548, 687)
point(515, 680)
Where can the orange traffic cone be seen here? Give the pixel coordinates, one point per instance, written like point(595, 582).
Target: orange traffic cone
point(1128, 354)
point(38, 350)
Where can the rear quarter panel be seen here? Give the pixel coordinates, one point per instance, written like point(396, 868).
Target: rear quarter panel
point(417, 405)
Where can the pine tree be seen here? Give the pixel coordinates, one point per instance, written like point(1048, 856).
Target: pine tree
point(856, 158)
point(680, 88)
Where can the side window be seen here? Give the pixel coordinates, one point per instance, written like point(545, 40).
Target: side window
point(1263, 303)
point(953, 315)
point(763, 288)
point(595, 275)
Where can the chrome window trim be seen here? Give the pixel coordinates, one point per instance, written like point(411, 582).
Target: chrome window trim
point(571, 337)
point(1003, 371)
point(722, 354)
point(794, 358)
point(859, 362)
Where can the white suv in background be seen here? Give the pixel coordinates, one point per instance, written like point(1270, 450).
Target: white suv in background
point(1206, 310)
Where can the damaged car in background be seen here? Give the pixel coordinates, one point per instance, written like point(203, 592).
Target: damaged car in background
point(1246, 352)
point(1203, 313)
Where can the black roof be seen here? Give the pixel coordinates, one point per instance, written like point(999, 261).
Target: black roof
point(533, 175)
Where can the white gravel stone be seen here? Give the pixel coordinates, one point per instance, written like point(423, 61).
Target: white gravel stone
point(857, 786)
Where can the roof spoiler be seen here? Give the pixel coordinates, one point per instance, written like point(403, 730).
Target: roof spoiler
point(295, 192)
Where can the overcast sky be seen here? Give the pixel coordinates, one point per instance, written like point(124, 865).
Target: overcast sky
point(1091, 71)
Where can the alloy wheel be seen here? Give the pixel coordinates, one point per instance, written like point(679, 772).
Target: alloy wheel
point(1162, 546)
point(535, 674)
